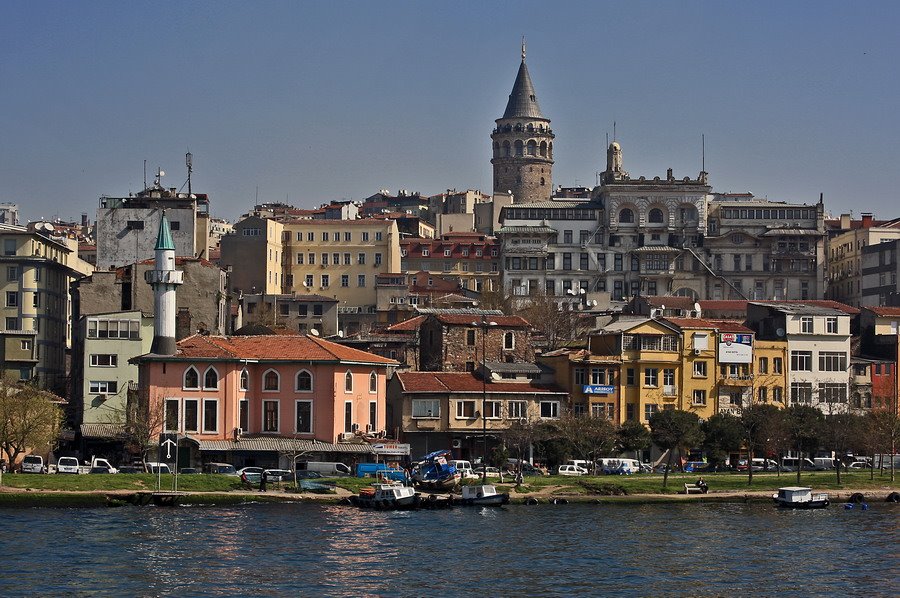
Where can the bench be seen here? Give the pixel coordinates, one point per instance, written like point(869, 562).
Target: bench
point(688, 488)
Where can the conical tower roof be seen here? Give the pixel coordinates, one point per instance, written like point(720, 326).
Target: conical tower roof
point(164, 238)
point(523, 101)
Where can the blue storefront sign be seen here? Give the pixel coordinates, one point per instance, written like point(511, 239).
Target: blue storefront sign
point(597, 389)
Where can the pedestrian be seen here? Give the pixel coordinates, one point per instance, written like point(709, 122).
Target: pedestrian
point(263, 480)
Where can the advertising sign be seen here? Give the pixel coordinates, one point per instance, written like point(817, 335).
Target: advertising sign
point(735, 348)
point(390, 448)
point(598, 389)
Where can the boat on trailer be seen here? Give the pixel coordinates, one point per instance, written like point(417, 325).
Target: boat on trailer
point(386, 497)
point(435, 474)
point(799, 497)
point(482, 495)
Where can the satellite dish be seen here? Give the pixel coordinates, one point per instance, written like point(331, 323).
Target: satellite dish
point(495, 376)
point(593, 303)
point(581, 291)
point(779, 333)
point(314, 332)
point(570, 291)
point(696, 307)
point(340, 334)
point(662, 308)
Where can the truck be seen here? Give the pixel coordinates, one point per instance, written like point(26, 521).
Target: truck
point(97, 465)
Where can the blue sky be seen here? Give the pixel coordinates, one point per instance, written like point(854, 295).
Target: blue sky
point(309, 102)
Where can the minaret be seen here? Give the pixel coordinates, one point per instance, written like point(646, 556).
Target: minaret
point(523, 144)
point(164, 280)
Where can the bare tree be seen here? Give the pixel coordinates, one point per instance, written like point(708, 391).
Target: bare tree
point(30, 418)
point(557, 326)
point(143, 423)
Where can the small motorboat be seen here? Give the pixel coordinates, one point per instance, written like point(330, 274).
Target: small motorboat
point(435, 474)
point(483, 495)
point(798, 497)
point(386, 497)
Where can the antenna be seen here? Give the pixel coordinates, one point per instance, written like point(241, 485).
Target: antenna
point(189, 162)
point(614, 130)
point(145, 174)
point(703, 152)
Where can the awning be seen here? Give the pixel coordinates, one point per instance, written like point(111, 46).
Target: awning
point(283, 445)
point(103, 431)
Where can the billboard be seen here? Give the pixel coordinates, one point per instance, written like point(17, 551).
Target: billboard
point(598, 389)
point(735, 348)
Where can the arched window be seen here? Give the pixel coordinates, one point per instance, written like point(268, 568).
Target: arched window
point(543, 149)
point(655, 216)
point(304, 381)
point(550, 149)
point(245, 380)
point(191, 378)
point(542, 181)
point(506, 149)
point(348, 382)
point(626, 215)
point(373, 382)
point(532, 147)
point(519, 147)
point(211, 379)
point(271, 380)
point(530, 127)
point(509, 340)
point(518, 126)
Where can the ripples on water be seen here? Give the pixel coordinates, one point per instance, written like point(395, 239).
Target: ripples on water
point(313, 550)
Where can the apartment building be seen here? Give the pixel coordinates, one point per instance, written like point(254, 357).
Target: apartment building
point(849, 246)
point(34, 304)
point(879, 267)
point(460, 340)
point(759, 249)
point(591, 381)
point(300, 314)
point(818, 347)
point(252, 256)
point(472, 258)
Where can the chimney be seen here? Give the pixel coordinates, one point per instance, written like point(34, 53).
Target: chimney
point(845, 221)
point(867, 220)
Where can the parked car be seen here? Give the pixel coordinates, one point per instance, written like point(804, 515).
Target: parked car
point(308, 475)
point(696, 466)
point(859, 465)
point(491, 472)
point(154, 467)
point(220, 468)
point(279, 475)
point(67, 465)
point(571, 470)
point(33, 464)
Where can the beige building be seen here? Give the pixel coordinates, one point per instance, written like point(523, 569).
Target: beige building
point(35, 276)
point(252, 255)
point(847, 241)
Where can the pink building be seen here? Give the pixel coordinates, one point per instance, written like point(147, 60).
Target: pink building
point(251, 400)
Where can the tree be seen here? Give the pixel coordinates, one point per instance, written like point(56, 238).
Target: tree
point(672, 429)
point(886, 427)
point(586, 436)
point(763, 429)
point(557, 326)
point(522, 435)
point(804, 425)
point(722, 435)
point(841, 430)
point(632, 436)
point(143, 424)
point(30, 419)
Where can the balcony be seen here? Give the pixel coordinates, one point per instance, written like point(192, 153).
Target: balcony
point(670, 390)
point(737, 380)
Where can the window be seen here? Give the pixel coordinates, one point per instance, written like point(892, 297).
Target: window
point(470, 338)
point(191, 415)
point(103, 387)
point(806, 324)
point(626, 215)
point(493, 409)
point(361, 259)
point(9, 247)
point(373, 416)
point(649, 410)
point(171, 415)
point(668, 377)
point(25, 345)
point(12, 299)
point(210, 415)
point(304, 417)
point(777, 365)
point(699, 397)
point(831, 325)
point(345, 280)
point(373, 382)
point(777, 393)
point(311, 260)
point(700, 369)
point(598, 376)
point(12, 323)
point(244, 381)
point(517, 409)
point(348, 382)
point(211, 379)
point(270, 416)
point(801, 361)
point(139, 225)
point(309, 280)
point(763, 365)
point(191, 379)
point(12, 273)
point(651, 377)
point(832, 361)
point(271, 381)
point(361, 280)
point(102, 361)
point(629, 377)
point(579, 377)
point(317, 309)
point(762, 394)
point(801, 392)
point(832, 393)
point(426, 408)
point(509, 341)
point(304, 381)
point(549, 409)
point(326, 280)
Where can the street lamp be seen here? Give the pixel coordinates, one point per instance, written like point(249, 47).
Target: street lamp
point(484, 325)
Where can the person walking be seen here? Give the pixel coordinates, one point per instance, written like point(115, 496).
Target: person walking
point(263, 480)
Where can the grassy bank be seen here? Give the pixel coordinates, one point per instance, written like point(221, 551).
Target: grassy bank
point(121, 481)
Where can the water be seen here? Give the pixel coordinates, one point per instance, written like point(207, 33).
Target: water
point(305, 550)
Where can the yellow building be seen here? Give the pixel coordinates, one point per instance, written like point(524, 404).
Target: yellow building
point(770, 375)
point(651, 357)
point(698, 365)
point(592, 381)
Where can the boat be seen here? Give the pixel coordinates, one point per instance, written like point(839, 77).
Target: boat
point(798, 497)
point(434, 473)
point(482, 495)
point(386, 497)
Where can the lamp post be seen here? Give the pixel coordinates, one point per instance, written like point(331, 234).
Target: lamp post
point(484, 325)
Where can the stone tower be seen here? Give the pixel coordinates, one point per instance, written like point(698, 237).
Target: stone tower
point(523, 144)
point(164, 279)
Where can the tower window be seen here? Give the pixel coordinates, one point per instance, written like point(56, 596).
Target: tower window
point(519, 147)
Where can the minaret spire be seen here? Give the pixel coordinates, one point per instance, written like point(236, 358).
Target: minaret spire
point(164, 279)
point(523, 48)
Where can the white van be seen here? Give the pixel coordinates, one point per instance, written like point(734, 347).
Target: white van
point(326, 468)
point(67, 465)
point(464, 468)
point(620, 466)
point(33, 464)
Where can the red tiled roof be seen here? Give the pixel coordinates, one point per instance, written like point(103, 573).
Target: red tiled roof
point(465, 320)
point(671, 301)
point(726, 305)
point(273, 348)
point(722, 325)
point(410, 325)
point(887, 312)
point(444, 382)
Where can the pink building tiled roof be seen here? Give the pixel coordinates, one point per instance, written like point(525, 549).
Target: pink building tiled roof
point(273, 348)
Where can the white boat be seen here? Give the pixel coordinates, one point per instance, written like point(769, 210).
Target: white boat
point(483, 495)
point(798, 497)
point(386, 497)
